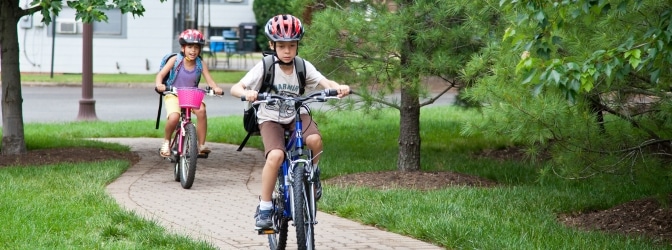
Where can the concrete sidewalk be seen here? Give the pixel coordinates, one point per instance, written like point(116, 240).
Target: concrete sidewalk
point(220, 205)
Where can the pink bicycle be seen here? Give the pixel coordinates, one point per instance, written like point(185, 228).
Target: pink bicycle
point(184, 143)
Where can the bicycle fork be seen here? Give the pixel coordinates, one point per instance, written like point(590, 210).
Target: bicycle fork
point(186, 116)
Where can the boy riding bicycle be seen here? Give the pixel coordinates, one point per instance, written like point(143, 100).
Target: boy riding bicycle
point(284, 33)
point(192, 68)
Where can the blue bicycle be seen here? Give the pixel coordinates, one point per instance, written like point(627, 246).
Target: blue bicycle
point(293, 197)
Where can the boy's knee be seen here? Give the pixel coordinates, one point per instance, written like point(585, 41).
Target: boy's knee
point(275, 156)
point(314, 140)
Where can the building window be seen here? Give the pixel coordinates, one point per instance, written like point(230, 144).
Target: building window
point(67, 26)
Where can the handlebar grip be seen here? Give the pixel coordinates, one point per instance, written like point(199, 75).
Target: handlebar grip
point(168, 89)
point(331, 92)
point(260, 97)
point(263, 96)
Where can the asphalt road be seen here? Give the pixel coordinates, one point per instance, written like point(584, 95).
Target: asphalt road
point(61, 103)
point(47, 104)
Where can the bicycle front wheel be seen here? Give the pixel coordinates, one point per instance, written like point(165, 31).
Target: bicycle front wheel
point(278, 240)
point(189, 156)
point(305, 236)
point(176, 156)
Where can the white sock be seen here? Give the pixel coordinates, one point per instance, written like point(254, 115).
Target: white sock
point(265, 205)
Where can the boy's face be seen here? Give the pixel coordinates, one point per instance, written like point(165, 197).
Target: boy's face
point(191, 51)
point(286, 50)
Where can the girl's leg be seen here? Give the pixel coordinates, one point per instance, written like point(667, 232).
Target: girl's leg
point(201, 128)
point(171, 123)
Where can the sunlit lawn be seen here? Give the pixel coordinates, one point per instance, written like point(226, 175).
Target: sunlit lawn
point(519, 214)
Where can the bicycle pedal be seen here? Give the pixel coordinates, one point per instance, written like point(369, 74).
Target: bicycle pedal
point(266, 231)
point(204, 156)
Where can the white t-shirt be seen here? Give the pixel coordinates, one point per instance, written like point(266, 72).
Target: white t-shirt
point(287, 85)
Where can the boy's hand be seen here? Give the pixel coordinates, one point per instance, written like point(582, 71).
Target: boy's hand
point(343, 90)
point(251, 95)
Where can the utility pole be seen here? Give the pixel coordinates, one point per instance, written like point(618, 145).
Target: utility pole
point(87, 105)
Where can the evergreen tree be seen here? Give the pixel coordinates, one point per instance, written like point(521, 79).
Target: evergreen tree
point(382, 47)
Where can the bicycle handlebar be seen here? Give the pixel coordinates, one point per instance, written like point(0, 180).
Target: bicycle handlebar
point(173, 90)
point(319, 96)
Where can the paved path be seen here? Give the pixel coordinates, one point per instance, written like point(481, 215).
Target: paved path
point(219, 207)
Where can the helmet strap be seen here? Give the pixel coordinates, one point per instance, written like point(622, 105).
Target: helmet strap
point(275, 53)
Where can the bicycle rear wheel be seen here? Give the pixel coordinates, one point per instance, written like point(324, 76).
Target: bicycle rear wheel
point(305, 236)
point(278, 240)
point(189, 156)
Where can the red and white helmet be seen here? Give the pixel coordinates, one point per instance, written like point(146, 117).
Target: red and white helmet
point(191, 36)
point(283, 28)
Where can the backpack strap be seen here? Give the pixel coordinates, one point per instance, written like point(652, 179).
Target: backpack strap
point(300, 67)
point(269, 73)
point(176, 68)
point(167, 81)
point(199, 69)
point(158, 115)
point(242, 144)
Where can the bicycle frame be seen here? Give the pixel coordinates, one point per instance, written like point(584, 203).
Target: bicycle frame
point(294, 146)
point(185, 118)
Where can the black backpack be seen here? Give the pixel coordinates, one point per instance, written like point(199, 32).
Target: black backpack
point(250, 115)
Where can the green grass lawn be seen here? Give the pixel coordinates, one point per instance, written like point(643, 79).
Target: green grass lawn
point(518, 214)
point(218, 75)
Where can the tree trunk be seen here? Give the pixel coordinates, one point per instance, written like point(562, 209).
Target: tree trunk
point(409, 134)
point(409, 109)
point(13, 141)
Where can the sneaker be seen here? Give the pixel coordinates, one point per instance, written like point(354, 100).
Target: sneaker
point(262, 219)
point(318, 185)
point(202, 149)
point(165, 149)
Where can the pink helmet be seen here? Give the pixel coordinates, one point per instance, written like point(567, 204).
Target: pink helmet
point(191, 36)
point(283, 28)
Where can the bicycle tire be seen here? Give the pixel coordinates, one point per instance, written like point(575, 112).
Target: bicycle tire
point(278, 240)
point(176, 156)
point(309, 214)
point(189, 156)
point(304, 228)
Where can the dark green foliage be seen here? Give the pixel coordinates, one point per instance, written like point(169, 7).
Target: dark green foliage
point(264, 10)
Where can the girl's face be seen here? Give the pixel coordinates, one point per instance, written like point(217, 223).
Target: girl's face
point(191, 51)
point(286, 50)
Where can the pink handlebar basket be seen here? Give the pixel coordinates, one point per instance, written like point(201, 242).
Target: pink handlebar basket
point(190, 97)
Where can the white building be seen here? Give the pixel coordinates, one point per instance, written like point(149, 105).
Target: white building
point(125, 44)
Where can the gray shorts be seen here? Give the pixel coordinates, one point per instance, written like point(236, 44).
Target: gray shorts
point(272, 133)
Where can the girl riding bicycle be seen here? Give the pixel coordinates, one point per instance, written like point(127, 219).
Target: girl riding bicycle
point(191, 70)
point(284, 33)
